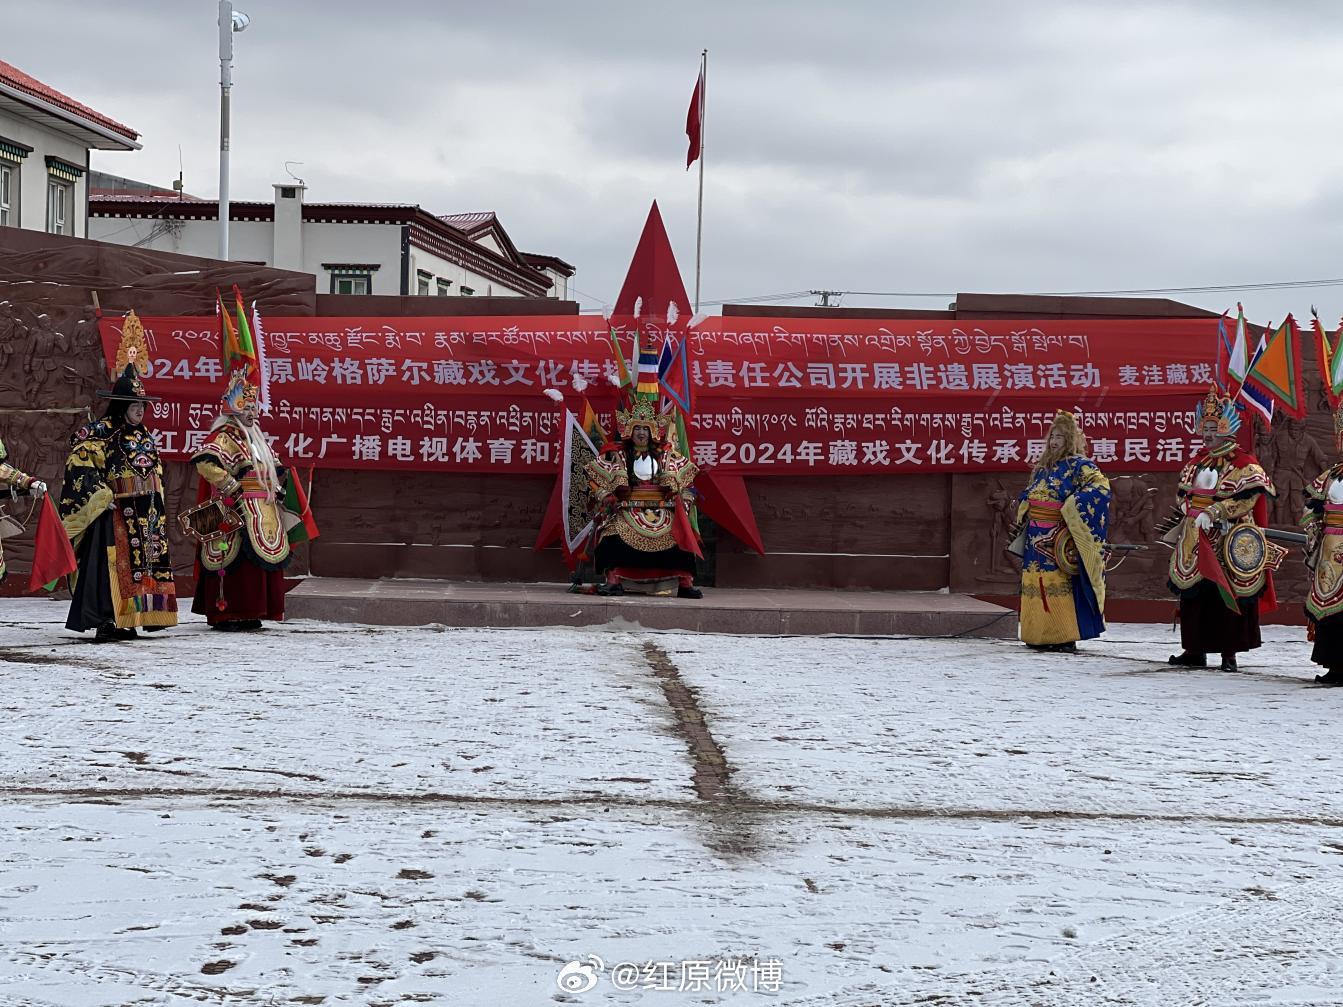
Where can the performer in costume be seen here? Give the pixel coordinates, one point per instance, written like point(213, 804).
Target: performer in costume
point(642, 492)
point(113, 510)
point(1066, 510)
point(19, 482)
point(1221, 564)
point(1322, 522)
point(241, 575)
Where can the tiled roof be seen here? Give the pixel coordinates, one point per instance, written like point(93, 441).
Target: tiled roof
point(469, 222)
point(16, 78)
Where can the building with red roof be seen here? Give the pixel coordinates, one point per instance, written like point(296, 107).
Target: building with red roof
point(45, 139)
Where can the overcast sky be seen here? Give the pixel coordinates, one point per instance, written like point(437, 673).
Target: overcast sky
point(861, 146)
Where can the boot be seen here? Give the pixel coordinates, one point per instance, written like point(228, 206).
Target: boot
point(249, 625)
point(1228, 663)
point(106, 633)
point(1189, 659)
point(689, 592)
point(227, 626)
point(611, 590)
point(1333, 678)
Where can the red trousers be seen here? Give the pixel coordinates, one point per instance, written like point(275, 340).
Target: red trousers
point(246, 590)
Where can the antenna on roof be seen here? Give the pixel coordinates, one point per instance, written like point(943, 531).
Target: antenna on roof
point(178, 183)
point(291, 174)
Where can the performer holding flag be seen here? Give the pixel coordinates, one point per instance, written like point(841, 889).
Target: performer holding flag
point(642, 493)
point(1222, 563)
point(1322, 521)
point(254, 508)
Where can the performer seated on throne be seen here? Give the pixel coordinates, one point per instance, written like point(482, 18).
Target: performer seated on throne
point(1221, 564)
point(641, 492)
point(1064, 511)
point(241, 577)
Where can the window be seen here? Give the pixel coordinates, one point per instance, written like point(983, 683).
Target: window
point(60, 206)
point(351, 277)
point(9, 195)
point(351, 284)
point(467, 291)
point(422, 280)
point(443, 287)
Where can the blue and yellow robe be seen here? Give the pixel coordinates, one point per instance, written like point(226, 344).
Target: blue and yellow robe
point(1066, 510)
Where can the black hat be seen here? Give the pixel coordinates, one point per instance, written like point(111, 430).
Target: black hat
point(128, 388)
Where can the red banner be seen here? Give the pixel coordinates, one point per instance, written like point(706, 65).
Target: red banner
point(773, 395)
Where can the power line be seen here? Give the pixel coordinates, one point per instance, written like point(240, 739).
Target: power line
point(1218, 288)
point(793, 295)
point(1209, 289)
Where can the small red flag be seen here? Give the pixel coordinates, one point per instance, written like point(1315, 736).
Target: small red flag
point(1211, 568)
point(52, 556)
point(694, 123)
point(682, 534)
point(296, 503)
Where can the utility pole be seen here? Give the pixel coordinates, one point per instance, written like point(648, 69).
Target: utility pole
point(229, 22)
point(825, 296)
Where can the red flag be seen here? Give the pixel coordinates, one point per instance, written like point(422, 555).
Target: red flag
point(552, 524)
point(52, 556)
point(694, 123)
point(683, 534)
point(296, 503)
point(1211, 568)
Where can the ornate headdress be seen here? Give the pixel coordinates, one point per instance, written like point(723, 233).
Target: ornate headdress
point(242, 392)
point(242, 358)
point(131, 362)
point(643, 413)
point(133, 348)
point(1220, 409)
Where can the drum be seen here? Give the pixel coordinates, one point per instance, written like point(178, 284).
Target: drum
point(208, 521)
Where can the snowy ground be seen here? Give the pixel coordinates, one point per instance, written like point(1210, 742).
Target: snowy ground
point(387, 816)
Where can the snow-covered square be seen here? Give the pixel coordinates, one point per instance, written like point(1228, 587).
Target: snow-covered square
point(322, 814)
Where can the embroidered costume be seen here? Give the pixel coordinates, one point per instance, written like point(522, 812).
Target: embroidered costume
point(240, 579)
point(1322, 522)
point(17, 482)
point(113, 510)
point(641, 492)
point(1065, 511)
point(1222, 564)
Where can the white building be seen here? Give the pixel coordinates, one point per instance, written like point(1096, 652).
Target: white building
point(45, 139)
point(352, 248)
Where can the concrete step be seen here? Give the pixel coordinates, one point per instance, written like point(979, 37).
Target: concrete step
point(730, 610)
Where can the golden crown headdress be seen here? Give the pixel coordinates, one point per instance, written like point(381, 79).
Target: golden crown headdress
point(642, 412)
point(1219, 409)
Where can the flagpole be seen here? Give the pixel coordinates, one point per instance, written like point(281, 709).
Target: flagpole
point(699, 221)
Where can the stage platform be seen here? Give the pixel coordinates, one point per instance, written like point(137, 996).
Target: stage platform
point(791, 612)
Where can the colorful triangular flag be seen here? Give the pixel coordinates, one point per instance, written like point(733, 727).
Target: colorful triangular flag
point(1276, 369)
